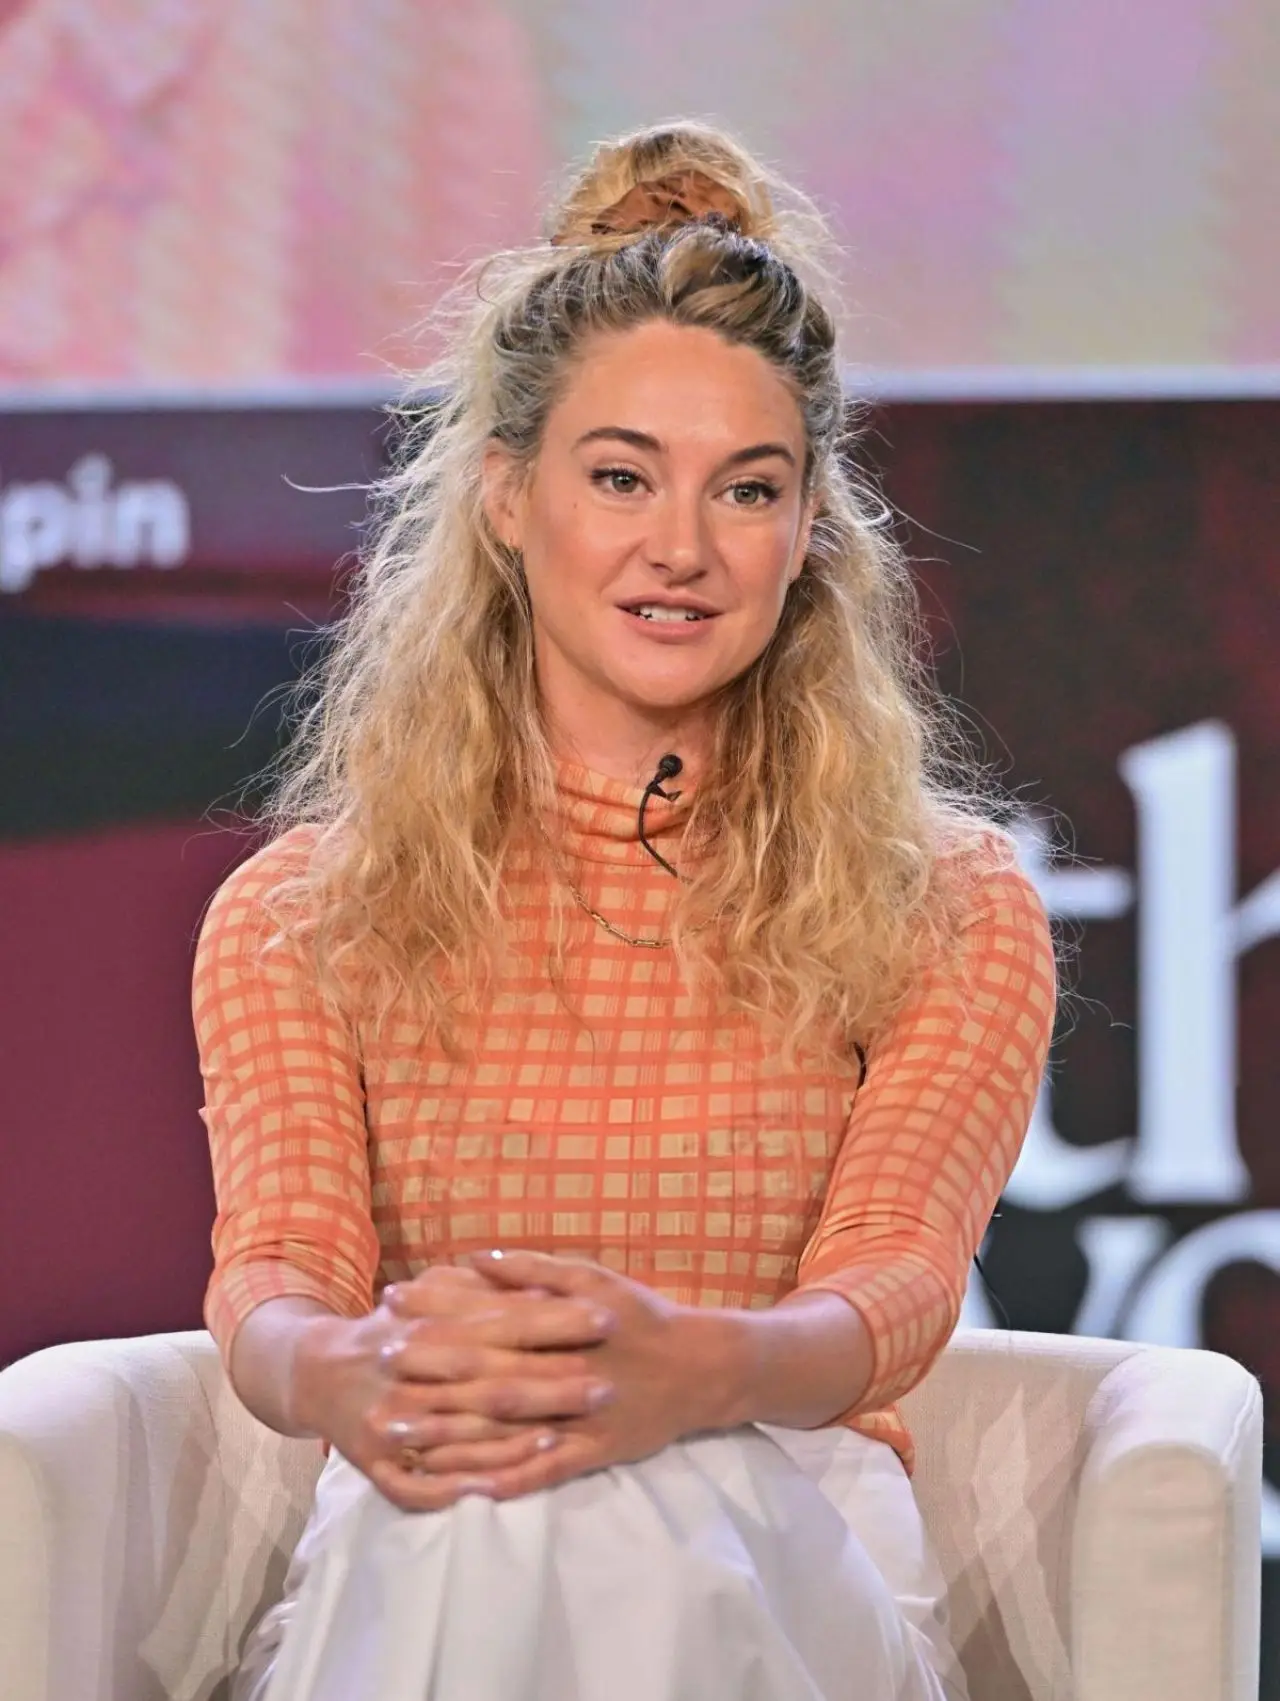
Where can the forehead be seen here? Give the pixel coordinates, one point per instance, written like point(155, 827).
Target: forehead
point(680, 383)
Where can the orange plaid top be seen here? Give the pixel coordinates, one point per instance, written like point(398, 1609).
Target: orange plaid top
point(644, 1127)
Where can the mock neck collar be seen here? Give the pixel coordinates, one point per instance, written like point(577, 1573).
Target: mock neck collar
point(597, 818)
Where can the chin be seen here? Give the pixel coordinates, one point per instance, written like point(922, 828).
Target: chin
point(657, 697)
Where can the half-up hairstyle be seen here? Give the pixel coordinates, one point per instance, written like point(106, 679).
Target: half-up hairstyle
point(839, 825)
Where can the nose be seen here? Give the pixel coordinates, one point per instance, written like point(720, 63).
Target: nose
point(678, 542)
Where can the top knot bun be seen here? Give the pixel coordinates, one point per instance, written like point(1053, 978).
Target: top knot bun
point(659, 202)
point(660, 178)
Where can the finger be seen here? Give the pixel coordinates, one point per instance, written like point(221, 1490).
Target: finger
point(530, 1325)
point(442, 1299)
point(439, 1289)
point(526, 1399)
point(482, 1458)
point(516, 1320)
point(413, 1492)
point(573, 1456)
point(441, 1429)
point(567, 1276)
point(422, 1355)
point(442, 1289)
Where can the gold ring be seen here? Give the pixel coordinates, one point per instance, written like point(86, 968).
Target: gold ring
point(411, 1460)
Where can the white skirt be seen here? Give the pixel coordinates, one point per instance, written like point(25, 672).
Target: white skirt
point(758, 1564)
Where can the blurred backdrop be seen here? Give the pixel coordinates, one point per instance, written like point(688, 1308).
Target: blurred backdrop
point(225, 192)
point(220, 221)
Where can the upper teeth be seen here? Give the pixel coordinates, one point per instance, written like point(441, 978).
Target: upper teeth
point(657, 611)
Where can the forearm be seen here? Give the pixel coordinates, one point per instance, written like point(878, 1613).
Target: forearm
point(799, 1365)
point(270, 1359)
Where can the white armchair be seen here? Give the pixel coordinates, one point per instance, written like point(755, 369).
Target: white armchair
point(1095, 1506)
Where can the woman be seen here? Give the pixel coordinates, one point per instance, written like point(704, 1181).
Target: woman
point(614, 1060)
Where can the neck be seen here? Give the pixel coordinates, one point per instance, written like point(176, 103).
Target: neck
point(628, 747)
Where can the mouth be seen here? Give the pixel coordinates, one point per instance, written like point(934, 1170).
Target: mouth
point(669, 614)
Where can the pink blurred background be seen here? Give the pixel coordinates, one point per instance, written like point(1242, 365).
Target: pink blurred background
point(235, 192)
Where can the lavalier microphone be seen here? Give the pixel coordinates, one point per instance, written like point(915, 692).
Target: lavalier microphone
point(669, 766)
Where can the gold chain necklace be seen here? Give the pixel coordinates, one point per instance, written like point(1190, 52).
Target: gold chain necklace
point(603, 921)
point(579, 898)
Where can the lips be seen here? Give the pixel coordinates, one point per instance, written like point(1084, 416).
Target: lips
point(655, 609)
point(669, 616)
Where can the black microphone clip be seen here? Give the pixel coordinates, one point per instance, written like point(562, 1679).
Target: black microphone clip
point(668, 768)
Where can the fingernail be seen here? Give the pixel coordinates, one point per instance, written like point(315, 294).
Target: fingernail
point(476, 1485)
point(545, 1443)
point(399, 1430)
point(599, 1394)
point(599, 1318)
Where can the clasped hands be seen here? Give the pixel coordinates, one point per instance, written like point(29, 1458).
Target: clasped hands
point(516, 1373)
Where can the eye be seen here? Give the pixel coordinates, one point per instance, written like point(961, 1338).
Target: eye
point(753, 493)
point(621, 481)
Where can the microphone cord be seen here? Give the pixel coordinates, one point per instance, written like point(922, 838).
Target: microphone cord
point(668, 768)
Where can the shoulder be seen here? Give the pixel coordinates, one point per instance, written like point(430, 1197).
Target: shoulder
point(988, 890)
point(1007, 962)
point(244, 956)
point(998, 946)
point(986, 993)
point(240, 909)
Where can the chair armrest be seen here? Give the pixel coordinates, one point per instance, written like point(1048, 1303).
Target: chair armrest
point(26, 1586)
point(144, 1518)
point(1094, 1507)
point(1166, 1557)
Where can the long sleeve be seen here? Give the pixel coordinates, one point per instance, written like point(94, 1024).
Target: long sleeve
point(284, 1111)
point(933, 1137)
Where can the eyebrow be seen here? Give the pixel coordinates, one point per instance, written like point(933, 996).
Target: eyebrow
point(643, 440)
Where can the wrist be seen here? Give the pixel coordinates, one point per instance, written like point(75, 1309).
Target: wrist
point(310, 1356)
point(800, 1364)
point(721, 1352)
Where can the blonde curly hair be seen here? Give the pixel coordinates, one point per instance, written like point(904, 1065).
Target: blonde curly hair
point(839, 822)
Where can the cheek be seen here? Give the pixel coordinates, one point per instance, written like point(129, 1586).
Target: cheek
point(763, 564)
point(575, 549)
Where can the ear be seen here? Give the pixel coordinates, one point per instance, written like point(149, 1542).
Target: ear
point(502, 495)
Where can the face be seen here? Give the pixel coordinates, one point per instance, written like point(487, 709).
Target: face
point(660, 526)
